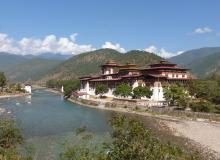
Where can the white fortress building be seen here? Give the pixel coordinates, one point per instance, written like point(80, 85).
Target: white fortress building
point(156, 76)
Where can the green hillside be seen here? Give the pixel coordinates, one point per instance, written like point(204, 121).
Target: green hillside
point(88, 63)
point(7, 60)
point(193, 55)
point(33, 69)
point(206, 66)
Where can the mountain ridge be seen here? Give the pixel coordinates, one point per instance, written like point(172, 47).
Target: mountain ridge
point(89, 62)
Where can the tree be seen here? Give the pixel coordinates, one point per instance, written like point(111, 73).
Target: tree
point(10, 138)
point(71, 86)
point(123, 90)
point(2, 80)
point(101, 89)
point(176, 95)
point(140, 91)
point(206, 89)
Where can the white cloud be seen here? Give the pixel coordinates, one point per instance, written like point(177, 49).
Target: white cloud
point(114, 46)
point(203, 30)
point(63, 45)
point(162, 52)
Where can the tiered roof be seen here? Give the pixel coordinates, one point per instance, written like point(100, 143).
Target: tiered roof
point(164, 65)
point(110, 63)
point(134, 71)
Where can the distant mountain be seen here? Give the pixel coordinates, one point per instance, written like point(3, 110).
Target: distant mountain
point(25, 67)
point(89, 62)
point(8, 60)
point(202, 61)
point(54, 56)
point(206, 66)
point(32, 69)
point(187, 57)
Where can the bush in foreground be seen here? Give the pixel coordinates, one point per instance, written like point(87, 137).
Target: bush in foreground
point(130, 141)
point(10, 139)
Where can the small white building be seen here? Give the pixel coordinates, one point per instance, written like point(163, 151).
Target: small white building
point(28, 88)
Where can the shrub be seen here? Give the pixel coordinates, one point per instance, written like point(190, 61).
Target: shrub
point(123, 90)
point(142, 92)
point(101, 89)
point(202, 106)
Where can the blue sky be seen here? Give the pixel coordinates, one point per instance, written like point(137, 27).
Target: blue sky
point(163, 26)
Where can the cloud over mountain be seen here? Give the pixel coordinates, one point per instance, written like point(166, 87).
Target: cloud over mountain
point(162, 52)
point(35, 46)
point(64, 45)
point(116, 47)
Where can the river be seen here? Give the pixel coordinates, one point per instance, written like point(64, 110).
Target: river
point(47, 122)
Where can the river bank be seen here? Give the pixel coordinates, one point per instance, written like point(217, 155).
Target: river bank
point(201, 133)
point(14, 95)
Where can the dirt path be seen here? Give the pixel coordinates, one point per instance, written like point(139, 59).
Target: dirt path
point(204, 133)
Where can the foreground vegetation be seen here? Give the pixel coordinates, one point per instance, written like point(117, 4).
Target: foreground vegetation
point(10, 140)
point(130, 140)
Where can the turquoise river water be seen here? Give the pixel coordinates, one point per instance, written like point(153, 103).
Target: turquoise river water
point(47, 122)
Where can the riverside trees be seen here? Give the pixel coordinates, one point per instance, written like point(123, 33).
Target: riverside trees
point(101, 89)
point(2, 80)
point(123, 90)
point(140, 91)
point(176, 94)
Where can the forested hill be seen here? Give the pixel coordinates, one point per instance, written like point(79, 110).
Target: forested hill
point(31, 70)
point(192, 55)
point(207, 66)
point(89, 62)
point(203, 62)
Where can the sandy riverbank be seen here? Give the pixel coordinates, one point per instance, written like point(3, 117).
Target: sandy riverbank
point(204, 133)
point(52, 90)
point(14, 95)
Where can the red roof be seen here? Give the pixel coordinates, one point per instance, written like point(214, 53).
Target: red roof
point(128, 76)
point(166, 68)
point(113, 79)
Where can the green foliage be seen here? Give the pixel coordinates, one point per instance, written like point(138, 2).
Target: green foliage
point(101, 89)
point(130, 141)
point(207, 93)
point(2, 80)
point(176, 95)
point(206, 89)
point(55, 83)
point(10, 135)
point(202, 106)
point(140, 91)
point(123, 90)
point(71, 86)
point(10, 138)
